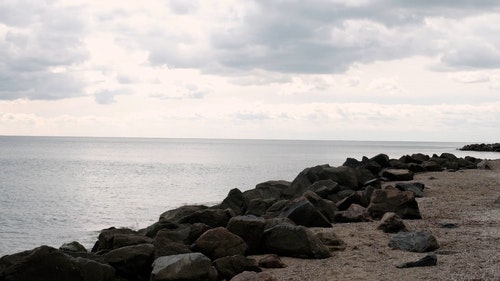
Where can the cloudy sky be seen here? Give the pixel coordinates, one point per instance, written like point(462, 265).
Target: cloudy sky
point(274, 69)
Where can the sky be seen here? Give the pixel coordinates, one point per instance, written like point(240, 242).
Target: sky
point(254, 69)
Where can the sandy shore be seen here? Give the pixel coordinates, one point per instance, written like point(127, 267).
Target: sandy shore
point(469, 252)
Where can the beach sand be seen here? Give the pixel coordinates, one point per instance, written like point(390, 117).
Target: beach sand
point(469, 252)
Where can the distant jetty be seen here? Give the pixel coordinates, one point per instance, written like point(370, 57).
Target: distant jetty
point(493, 147)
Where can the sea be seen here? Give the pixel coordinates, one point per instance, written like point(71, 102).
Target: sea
point(55, 190)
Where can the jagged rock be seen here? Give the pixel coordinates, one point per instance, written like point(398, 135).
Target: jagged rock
point(234, 201)
point(164, 245)
point(275, 209)
point(184, 233)
point(326, 207)
point(391, 223)
point(132, 262)
point(397, 174)
point(294, 241)
point(175, 215)
point(302, 181)
point(271, 261)
point(151, 230)
point(210, 217)
point(428, 260)
point(254, 276)
point(229, 266)
point(343, 175)
point(259, 206)
point(192, 267)
point(74, 246)
point(416, 187)
point(220, 242)
point(250, 229)
point(272, 222)
point(303, 212)
point(358, 197)
point(419, 241)
point(484, 165)
point(47, 264)
point(114, 238)
point(402, 203)
point(324, 188)
point(355, 213)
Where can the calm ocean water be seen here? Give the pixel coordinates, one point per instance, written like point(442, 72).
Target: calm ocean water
point(56, 189)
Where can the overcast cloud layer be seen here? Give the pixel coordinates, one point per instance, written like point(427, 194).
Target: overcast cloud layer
point(361, 69)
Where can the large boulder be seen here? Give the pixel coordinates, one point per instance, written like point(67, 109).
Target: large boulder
point(114, 238)
point(234, 201)
point(211, 217)
point(419, 241)
point(303, 212)
point(185, 233)
point(294, 241)
point(343, 175)
point(324, 188)
point(176, 214)
point(250, 229)
point(164, 245)
point(402, 203)
point(396, 174)
point(132, 262)
point(259, 206)
point(47, 264)
point(326, 207)
point(303, 180)
point(192, 267)
point(220, 242)
point(229, 266)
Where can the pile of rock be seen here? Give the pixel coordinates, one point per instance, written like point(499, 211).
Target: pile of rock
point(494, 147)
point(197, 242)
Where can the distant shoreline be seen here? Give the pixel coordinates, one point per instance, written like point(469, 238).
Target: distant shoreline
point(492, 147)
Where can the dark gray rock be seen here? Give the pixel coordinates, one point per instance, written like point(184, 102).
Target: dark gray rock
point(74, 246)
point(235, 201)
point(343, 175)
point(175, 215)
point(132, 262)
point(329, 239)
point(419, 241)
point(106, 239)
point(402, 203)
point(250, 229)
point(192, 267)
point(229, 266)
point(326, 207)
point(151, 230)
point(164, 245)
point(324, 188)
point(391, 223)
point(294, 241)
point(259, 206)
point(303, 212)
point(47, 264)
point(428, 260)
point(220, 242)
point(210, 217)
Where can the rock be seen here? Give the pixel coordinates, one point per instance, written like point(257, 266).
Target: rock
point(235, 201)
point(391, 223)
point(106, 239)
point(397, 174)
point(132, 262)
point(428, 260)
point(294, 241)
point(358, 197)
point(448, 225)
point(416, 187)
point(324, 188)
point(184, 233)
point(192, 266)
point(402, 203)
point(229, 266)
point(419, 241)
point(254, 276)
point(303, 212)
point(259, 206)
point(343, 175)
point(381, 159)
point(484, 165)
point(73, 247)
point(151, 230)
point(47, 264)
point(271, 261)
point(176, 214)
point(272, 222)
point(275, 209)
point(165, 246)
point(355, 213)
point(210, 217)
point(329, 239)
point(302, 181)
point(326, 207)
point(220, 242)
point(250, 229)
point(272, 189)
point(431, 166)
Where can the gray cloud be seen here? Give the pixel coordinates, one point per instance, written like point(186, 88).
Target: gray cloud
point(41, 44)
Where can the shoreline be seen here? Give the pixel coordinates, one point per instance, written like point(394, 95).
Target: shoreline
point(367, 256)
